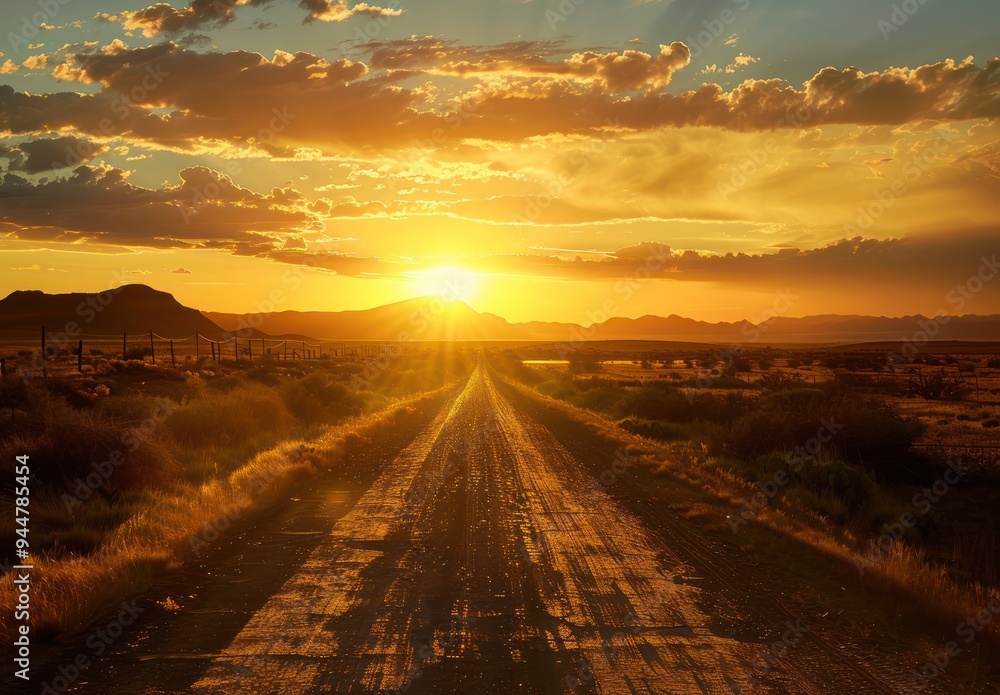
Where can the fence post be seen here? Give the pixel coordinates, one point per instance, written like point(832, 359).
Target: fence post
point(236, 348)
point(45, 367)
point(263, 349)
point(303, 349)
point(197, 340)
point(173, 363)
point(152, 348)
point(250, 349)
point(286, 348)
point(213, 351)
point(79, 358)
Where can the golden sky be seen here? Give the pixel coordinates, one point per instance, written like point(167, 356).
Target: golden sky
point(622, 158)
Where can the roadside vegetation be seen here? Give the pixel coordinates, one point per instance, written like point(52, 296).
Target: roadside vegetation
point(131, 461)
point(833, 463)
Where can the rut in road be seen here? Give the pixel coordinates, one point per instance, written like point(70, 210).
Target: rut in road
point(485, 558)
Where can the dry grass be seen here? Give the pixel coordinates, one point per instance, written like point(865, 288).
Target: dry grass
point(901, 573)
point(68, 594)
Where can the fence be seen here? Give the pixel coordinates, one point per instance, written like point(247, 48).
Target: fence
point(158, 349)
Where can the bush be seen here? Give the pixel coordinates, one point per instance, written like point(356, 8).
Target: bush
point(656, 403)
point(65, 445)
point(777, 380)
point(665, 431)
point(243, 414)
point(319, 398)
point(869, 430)
point(939, 386)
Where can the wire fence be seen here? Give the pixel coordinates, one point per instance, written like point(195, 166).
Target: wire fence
point(57, 351)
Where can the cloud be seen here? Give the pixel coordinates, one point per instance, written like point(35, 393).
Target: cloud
point(163, 18)
point(628, 70)
point(206, 210)
point(36, 156)
point(181, 271)
point(741, 61)
point(36, 62)
point(212, 101)
point(338, 11)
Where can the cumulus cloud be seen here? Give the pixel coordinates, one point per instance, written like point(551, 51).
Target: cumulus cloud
point(181, 271)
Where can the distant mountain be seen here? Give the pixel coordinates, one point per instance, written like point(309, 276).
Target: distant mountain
point(129, 308)
point(423, 318)
point(138, 308)
point(430, 319)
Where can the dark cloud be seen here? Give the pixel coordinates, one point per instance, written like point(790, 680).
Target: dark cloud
point(50, 154)
point(205, 210)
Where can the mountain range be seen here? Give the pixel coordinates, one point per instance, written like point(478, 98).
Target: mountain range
point(139, 308)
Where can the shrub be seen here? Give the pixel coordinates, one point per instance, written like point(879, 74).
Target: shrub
point(939, 386)
point(869, 429)
point(319, 398)
point(67, 444)
point(666, 431)
point(242, 414)
point(777, 380)
point(656, 403)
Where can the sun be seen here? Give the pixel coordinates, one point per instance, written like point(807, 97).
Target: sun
point(447, 282)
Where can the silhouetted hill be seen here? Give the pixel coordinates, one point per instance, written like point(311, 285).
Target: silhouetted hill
point(129, 308)
point(138, 308)
point(430, 319)
point(423, 318)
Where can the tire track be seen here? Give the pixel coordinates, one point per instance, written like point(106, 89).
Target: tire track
point(486, 559)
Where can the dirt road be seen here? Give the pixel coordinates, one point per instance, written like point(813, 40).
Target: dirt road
point(487, 558)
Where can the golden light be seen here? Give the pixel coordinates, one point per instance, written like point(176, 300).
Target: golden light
point(447, 282)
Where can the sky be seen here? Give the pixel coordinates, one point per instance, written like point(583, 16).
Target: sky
point(559, 160)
